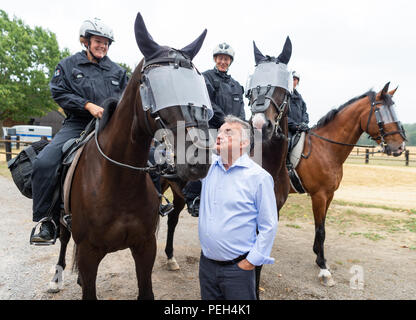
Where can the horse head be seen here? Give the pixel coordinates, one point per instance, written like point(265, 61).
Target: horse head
point(382, 123)
point(269, 90)
point(175, 102)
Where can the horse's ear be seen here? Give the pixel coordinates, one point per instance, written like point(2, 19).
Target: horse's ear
point(144, 40)
point(192, 49)
point(385, 89)
point(284, 57)
point(258, 56)
point(392, 92)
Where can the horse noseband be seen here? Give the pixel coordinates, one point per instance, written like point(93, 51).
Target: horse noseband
point(262, 97)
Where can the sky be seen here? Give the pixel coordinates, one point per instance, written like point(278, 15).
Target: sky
point(341, 49)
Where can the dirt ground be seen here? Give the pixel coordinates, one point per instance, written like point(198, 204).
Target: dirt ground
point(377, 240)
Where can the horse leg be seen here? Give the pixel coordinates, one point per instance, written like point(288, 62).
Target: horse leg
point(173, 218)
point(88, 260)
point(56, 282)
point(320, 204)
point(144, 258)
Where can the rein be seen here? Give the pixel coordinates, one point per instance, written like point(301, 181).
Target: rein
point(143, 169)
point(340, 143)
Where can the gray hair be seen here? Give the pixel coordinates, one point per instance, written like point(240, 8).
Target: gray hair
point(245, 126)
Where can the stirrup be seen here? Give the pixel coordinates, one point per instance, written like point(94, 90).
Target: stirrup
point(194, 210)
point(169, 206)
point(48, 242)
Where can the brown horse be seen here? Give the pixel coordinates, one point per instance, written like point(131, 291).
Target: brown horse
point(328, 145)
point(269, 100)
point(114, 203)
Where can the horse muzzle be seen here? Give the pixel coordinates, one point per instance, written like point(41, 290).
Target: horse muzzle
point(395, 151)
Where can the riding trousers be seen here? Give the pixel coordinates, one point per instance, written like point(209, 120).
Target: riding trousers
point(45, 176)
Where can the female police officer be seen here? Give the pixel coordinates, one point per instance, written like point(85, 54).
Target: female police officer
point(80, 85)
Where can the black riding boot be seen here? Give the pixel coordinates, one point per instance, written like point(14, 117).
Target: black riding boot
point(193, 206)
point(46, 233)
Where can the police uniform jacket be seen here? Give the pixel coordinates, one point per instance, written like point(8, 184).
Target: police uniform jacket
point(77, 81)
point(297, 113)
point(226, 96)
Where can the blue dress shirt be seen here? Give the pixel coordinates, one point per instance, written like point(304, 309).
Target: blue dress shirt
point(234, 203)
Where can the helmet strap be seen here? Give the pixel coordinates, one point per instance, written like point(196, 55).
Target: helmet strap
point(90, 52)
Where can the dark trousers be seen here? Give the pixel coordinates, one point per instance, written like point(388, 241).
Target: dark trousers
point(46, 166)
point(228, 282)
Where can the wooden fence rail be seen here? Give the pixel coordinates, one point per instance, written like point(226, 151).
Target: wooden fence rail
point(407, 158)
point(8, 144)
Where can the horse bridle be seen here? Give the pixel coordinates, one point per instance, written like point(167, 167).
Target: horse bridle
point(178, 62)
point(260, 100)
point(380, 122)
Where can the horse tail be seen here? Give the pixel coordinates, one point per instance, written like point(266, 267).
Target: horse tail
point(74, 258)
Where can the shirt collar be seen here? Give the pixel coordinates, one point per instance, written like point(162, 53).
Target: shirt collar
point(243, 161)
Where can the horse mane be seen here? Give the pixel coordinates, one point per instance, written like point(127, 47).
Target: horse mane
point(333, 113)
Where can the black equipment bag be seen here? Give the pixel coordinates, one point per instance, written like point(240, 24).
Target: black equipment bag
point(21, 167)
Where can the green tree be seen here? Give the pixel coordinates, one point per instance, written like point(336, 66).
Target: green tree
point(126, 67)
point(28, 58)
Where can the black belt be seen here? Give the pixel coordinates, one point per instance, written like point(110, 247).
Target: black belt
point(229, 262)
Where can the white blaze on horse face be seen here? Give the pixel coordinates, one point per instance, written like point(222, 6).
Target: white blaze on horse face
point(259, 120)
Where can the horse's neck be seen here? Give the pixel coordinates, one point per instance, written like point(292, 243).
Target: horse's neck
point(274, 156)
point(344, 128)
point(123, 139)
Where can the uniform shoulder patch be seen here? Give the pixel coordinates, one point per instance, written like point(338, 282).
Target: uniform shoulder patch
point(57, 72)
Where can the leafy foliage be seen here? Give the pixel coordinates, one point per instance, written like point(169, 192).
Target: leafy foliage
point(28, 58)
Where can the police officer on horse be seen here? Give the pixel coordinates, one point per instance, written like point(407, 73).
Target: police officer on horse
point(80, 85)
point(298, 117)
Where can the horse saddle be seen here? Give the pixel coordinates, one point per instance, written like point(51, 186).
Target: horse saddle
point(295, 153)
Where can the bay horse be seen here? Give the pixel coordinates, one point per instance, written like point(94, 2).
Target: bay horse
point(269, 100)
point(329, 143)
point(114, 204)
point(269, 93)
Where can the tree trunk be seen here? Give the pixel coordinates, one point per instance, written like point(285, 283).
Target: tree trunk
point(1, 133)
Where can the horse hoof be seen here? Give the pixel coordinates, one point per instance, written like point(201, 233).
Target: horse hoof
point(172, 264)
point(326, 278)
point(53, 287)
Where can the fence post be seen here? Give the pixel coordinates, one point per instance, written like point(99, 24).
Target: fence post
point(8, 146)
point(17, 142)
point(367, 156)
point(406, 155)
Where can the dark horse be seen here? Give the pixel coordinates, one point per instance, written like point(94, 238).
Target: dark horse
point(113, 206)
point(269, 99)
point(328, 145)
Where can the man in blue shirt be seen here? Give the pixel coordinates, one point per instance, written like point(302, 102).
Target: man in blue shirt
point(237, 200)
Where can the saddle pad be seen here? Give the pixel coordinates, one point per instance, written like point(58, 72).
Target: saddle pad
point(297, 150)
point(70, 175)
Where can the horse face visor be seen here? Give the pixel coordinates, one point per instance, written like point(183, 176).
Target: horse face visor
point(266, 76)
point(167, 86)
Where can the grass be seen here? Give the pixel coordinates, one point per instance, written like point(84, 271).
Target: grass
point(347, 216)
point(366, 205)
point(295, 226)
